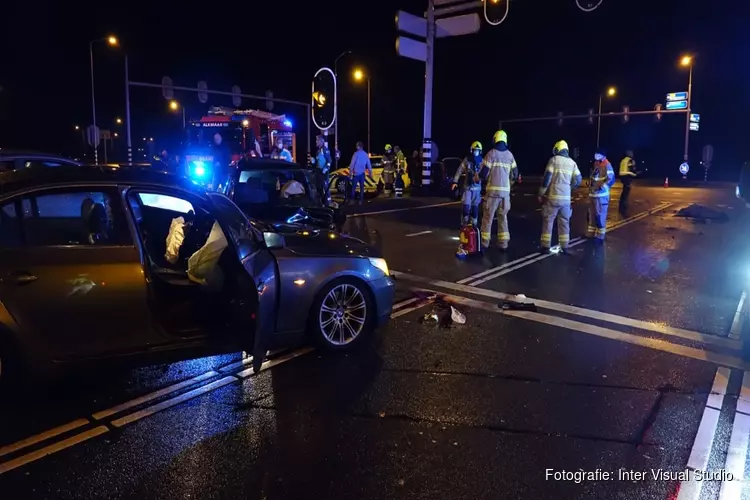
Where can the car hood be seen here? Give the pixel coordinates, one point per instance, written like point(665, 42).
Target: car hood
point(327, 244)
point(283, 217)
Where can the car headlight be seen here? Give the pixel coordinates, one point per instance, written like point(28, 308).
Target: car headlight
point(737, 192)
point(380, 264)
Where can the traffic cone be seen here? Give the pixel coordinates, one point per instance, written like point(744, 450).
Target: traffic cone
point(666, 182)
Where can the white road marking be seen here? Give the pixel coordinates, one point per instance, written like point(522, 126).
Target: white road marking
point(418, 234)
point(276, 361)
point(407, 310)
point(704, 439)
point(365, 214)
point(743, 402)
point(580, 311)
point(739, 318)
point(598, 331)
point(574, 242)
point(154, 395)
point(405, 302)
point(490, 271)
point(150, 410)
point(38, 438)
point(53, 448)
point(737, 452)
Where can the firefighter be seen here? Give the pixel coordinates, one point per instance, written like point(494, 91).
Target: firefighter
point(560, 177)
point(280, 152)
point(400, 171)
point(500, 169)
point(472, 193)
point(600, 180)
point(627, 175)
point(389, 169)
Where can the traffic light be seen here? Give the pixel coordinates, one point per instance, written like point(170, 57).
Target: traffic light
point(657, 107)
point(495, 11)
point(625, 116)
point(323, 102)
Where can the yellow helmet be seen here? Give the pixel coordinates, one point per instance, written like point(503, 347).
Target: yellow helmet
point(559, 146)
point(500, 136)
point(476, 145)
point(388, 147)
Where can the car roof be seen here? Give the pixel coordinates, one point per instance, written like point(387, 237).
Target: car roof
point(9, 154)
point(25, 179)
point(269, 164)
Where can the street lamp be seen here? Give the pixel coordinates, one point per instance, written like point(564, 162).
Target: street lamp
point(174, 106)
point(118, 121)
point(113, 42)
point(687, 61)
point(359, 75)
point(611, 92)
point(77, 127)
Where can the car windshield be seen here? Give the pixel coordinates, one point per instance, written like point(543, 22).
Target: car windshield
point(277, 187)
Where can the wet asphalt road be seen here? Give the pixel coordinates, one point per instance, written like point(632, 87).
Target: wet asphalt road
point(630, 362)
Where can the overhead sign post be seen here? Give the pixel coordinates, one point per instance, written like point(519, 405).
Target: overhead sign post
point(429, 28)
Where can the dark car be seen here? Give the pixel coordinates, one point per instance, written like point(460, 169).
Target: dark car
point(11, 160)
point(104, 263)
point(285, 195)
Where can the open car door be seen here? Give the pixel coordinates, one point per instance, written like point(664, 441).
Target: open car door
point(259, 288)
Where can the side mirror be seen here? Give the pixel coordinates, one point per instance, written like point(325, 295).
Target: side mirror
point(273, 240)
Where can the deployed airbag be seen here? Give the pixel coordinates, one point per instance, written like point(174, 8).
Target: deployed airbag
point(203, 265)
point(175, 238)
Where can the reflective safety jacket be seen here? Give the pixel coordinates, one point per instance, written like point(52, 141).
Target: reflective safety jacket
point(560, 176)
point(283, 154)
point(601, 179)
point(627, 167)
point(502, 172)
point(389, 162)
point(470, 167)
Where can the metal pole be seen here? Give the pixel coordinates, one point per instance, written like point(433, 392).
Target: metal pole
point(687, 115)
point(183, 118)
point(309, 128)
point(369, 119)
point(336, 106)
point(127, 113)
point(599, 122)
point(106, 160)
point(428, 76)
point(93, 101)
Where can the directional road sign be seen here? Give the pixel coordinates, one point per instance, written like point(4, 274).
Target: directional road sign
point(167, 88)
point(677, 96)
point(676, 104)
point(466, 24)
point(236, 97)
point(412, 49)
point(694, 126)
point(684, 168)
point(695, 117)
point(92, 136)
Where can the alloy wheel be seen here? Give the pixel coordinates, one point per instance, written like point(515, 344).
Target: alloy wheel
point(343, 314)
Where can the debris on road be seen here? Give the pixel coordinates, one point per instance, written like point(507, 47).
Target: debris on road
point(508, 305)
point(457, 317)
point(431, 317)
point(702, 213)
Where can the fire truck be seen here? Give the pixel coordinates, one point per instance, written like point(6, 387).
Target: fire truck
point(243, 131)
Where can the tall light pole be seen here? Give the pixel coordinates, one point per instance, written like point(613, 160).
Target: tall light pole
point(112, 41)
point(687, 61)
point(611, 92)
point(336, 104)
point(127, 113)
point(174, 106)
point(359, 75)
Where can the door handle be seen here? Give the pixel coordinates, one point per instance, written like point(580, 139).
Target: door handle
point(18, 278)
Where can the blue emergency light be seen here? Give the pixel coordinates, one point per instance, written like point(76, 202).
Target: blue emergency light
point(288, 123)
point(198, 170)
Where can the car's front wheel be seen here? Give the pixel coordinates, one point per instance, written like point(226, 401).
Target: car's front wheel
point(342, 315)
point(342, 185)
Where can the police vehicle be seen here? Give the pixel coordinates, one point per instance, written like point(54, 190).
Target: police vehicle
point(339, 181)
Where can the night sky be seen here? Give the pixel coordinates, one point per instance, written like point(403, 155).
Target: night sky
point(548, 56)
